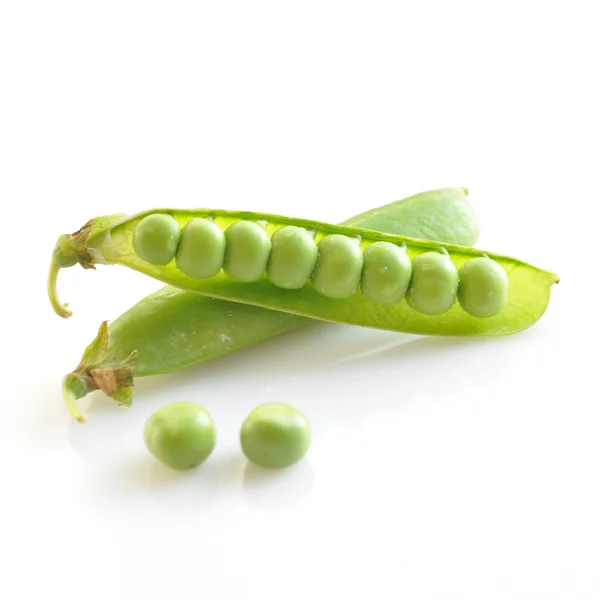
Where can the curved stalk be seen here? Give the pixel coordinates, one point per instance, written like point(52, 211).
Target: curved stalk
point(71, 393)
point(59, 308)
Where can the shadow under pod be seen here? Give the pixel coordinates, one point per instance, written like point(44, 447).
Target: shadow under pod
point(288, 354)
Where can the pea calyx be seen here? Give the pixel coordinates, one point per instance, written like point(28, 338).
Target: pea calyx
point(115, 381)
point(76, 248)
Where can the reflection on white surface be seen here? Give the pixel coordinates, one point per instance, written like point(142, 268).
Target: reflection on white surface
point(297, 369)
point(278, 489)
point(346, 380)
point(144, 477)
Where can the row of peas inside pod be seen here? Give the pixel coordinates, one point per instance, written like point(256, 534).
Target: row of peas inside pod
point(336, 265)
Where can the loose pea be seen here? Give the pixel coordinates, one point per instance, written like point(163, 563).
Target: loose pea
point(246, 252)
point(482, 287)
point(201, 250)
point(386, 273)
point(275, 435)
point(293, 257)
point(181, 435)
point(432, 290)
point(339, 266)
point(156, 239)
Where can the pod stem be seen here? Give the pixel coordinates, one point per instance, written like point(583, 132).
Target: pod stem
point(74, 248)
point(74, 388)
point(70, 249)
point(59, 308)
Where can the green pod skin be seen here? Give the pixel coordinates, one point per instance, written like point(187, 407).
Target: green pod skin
point(247, 251)
point(172, 328)
point(181, 435)
point(201, 249)
point(339, 266)
point(434, 283)
point(275, 436)
point(386, 273)
point(528, 297)
point(293, 257)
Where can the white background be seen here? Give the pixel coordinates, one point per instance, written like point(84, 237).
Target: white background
point(440, 468)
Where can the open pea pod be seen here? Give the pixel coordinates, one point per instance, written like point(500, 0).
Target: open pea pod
point(150, 241)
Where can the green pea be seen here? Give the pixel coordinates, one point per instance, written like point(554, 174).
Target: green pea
point(275, 435)
point(201, 250)
point(293, 257)
point(246, 252)
point(432, 290)
point(482, 287)
point(181, 435)
point(156, 239)
point(386, 273)
point(339, 266)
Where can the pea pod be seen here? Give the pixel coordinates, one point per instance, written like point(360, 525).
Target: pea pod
point(332, 295)
point(172, 329)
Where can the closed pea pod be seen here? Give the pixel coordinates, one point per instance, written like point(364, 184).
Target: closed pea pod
point(386, 273)
point(201, 249)
point(483, 287)
point(247, 251)
point(339, 266)
point(434, 282)
point(293, 257)
point(156, 239)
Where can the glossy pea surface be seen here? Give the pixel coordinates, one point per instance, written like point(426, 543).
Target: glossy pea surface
point(432, 290)
point(386, 273)
point(275, 435)
point(293, 257)
point(181, 435)
point(482, 287)
point(156, 239)
point(247, 251)
point(201, 249)
point(339, 266)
